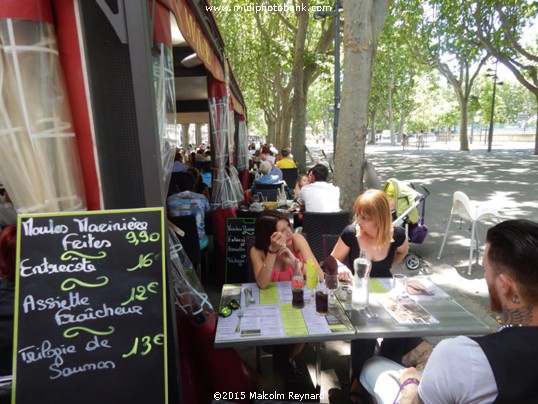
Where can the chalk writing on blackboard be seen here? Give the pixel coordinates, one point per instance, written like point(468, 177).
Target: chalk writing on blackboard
point(237, 230)
point(90, 301)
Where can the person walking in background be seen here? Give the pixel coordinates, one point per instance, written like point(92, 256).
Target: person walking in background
point(499, 367)
point(372, 231)
point(420, 140)
point(405, 141)
point(319, 195)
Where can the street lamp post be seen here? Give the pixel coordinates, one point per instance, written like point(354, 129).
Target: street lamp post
point(336, 74)
point(494, 75)
point(335, 14)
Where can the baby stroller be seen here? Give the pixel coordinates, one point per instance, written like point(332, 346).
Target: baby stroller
point(406, 213)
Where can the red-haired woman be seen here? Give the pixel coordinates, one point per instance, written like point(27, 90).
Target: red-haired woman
point(385, 245)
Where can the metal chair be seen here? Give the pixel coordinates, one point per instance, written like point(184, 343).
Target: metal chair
point(269, 190)
point(328, 241)
point(473, 212)
point(290, 176)
point(315, 224)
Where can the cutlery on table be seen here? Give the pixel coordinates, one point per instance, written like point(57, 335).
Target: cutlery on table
point(247, 301)
point(251, 299)
point(239, 315)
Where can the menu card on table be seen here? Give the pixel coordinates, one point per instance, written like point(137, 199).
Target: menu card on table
point(406, 311)
point(271, 314)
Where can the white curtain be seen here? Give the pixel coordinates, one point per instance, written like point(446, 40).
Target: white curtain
point(242, 145)
point(165, 100)
point(224, 193)
point(39, 161)
point(189, 295)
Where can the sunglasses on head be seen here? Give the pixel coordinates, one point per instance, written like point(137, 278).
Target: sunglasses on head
point(226, 311)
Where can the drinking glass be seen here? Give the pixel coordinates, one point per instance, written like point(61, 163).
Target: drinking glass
point(332, 284)
point(322, 299)
point(399, 287)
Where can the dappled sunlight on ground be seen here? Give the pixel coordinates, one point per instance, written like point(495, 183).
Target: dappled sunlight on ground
point(507, 178)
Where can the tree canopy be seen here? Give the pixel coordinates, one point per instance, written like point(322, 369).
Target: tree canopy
point(403, 73)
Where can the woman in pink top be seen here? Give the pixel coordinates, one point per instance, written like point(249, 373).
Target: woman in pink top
point(276, 248)
point(273, 258)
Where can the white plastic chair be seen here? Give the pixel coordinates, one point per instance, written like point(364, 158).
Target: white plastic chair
point(473, 212)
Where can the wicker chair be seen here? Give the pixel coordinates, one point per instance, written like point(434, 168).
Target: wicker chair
point(316, 224)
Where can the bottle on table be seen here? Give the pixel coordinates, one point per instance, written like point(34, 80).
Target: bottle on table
point(282, 197)
point(311, 278)
point(297, 286)
point(361, 282)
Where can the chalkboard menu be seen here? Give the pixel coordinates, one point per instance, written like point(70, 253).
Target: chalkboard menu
point(90, 315)
point(237, 229)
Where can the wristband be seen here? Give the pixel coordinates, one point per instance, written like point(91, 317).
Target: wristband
point(273, 251)
point(409, 381)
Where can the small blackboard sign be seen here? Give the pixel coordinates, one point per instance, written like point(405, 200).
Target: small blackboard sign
point(237, 229)
point(90, 319)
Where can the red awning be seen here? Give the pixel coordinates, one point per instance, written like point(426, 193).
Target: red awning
point(194, 35)
point(39, 10)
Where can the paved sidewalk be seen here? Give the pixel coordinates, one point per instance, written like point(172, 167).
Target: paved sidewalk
point(506, 176)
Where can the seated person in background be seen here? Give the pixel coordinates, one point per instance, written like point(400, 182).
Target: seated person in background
point(319, 195)
point(285, 161)
point(385, 246)
point(178, 166)
point(276, 248)
point(266, 178)
point(274, 170)
point(199, 186)
point(8, 243)
point(499, 367)
point(187, 202)
point(302, 180)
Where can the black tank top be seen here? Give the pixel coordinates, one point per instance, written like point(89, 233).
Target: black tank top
point(513, 356)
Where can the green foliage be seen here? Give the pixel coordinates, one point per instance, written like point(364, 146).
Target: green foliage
point(261, 49)
point(419, 37)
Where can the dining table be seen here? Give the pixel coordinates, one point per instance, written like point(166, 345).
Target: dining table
point(427, 311)
point(267, 316)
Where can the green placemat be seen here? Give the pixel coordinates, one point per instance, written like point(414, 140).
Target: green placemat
point(292, 320)
point(269, 295)
point(377, 287)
